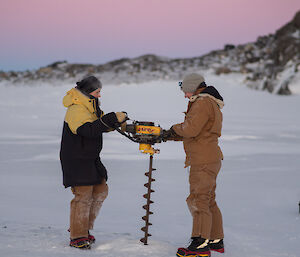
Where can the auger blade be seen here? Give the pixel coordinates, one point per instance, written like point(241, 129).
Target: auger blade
point(147, 184)
point(146, 208)
point(147, 205)
point(144, 241)
point(145, 229)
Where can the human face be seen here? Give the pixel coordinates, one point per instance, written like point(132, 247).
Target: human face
point(96, 93)
point(188, 95)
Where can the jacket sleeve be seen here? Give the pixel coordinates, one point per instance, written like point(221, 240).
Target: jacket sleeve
point(92, 129)
point(82, 123)
point(104, 124)
point(194, 121)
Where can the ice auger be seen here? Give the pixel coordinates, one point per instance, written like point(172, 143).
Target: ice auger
point(146, 134)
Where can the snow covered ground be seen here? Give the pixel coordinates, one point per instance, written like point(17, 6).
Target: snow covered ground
point(258, 187)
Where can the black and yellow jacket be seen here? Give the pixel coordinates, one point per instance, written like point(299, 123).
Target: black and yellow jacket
point(81, 141)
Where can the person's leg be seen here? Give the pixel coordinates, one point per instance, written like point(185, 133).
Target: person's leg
point(216, 234)
point(217, 221)
point(202, 182)
point(99, 194)
point(80, 211)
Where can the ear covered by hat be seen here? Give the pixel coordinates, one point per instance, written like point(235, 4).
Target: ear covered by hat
point(191, 82)
point(88, 84)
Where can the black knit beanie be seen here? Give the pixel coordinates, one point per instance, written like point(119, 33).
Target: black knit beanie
point(88, 84)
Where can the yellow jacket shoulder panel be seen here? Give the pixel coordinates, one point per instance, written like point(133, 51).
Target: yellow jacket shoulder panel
point(77, 115)
point(80, 109)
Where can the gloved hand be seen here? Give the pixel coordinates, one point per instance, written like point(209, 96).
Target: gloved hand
point(170, 134)
point(167, 134)
point(123, 126)
point(121, 116)
point(114, 120)
point(110, 120)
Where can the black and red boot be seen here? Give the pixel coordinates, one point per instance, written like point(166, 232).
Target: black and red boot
point(217, 245)
point(91, 238)
point(198, 248)
point(80, 243)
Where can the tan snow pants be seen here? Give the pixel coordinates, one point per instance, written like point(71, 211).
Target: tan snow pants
point(207, 217)
point(85, 207)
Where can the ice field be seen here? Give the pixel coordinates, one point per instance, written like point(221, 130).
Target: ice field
point(258, 188)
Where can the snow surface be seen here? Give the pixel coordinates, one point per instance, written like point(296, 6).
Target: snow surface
point(258, 186)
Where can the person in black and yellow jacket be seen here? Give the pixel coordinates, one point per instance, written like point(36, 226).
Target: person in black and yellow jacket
point(81, 145)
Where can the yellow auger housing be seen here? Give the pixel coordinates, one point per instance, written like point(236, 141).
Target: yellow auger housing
point(151, 131)
point(146, 134)
point(146, 148)
point(148, 130)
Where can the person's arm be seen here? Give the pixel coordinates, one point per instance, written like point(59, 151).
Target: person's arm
point(195, 120)
point(81, 122)
point(97, 127)
point(170, 135)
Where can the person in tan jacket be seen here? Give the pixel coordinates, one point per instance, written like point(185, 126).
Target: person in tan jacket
point(200, 132)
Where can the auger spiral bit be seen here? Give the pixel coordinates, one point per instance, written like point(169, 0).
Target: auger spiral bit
point(147, 196)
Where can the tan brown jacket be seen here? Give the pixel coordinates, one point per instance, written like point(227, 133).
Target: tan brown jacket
point(201, 129)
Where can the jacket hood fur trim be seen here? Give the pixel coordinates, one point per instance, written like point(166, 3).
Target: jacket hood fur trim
point(212, 93)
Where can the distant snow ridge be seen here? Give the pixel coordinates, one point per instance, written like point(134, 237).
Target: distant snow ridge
point(271, 63)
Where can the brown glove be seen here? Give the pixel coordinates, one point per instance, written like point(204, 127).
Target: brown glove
point(123, 126)
point(121, 116)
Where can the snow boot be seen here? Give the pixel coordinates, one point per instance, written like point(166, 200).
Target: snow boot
point(216, 245)
point(198, 248)
point(91, 238)
point(81, 243)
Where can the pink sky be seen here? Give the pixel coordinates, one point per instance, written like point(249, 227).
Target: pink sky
point(35, 33)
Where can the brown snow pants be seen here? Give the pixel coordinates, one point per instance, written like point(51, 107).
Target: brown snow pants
point(207, 217)
point(85, 207)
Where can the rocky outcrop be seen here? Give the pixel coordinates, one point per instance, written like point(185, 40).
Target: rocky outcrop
point(270, 63)
point(280, 59)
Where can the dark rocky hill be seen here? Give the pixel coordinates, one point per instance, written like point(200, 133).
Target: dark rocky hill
point(270, 63)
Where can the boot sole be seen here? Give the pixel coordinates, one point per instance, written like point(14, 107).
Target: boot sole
point(82, 247)
point(194, 255)
point(218, 250)
point(92, 241)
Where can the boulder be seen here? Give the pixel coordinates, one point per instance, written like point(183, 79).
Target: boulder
point(228, 47)
point(223, 70)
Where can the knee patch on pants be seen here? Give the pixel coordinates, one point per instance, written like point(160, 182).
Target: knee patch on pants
point(100, 192)
point(198, 202)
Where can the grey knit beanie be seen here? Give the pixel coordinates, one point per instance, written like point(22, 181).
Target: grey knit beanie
point(191, 82)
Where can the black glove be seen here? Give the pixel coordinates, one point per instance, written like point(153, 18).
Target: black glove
point(110, 120)
point(169, 134)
